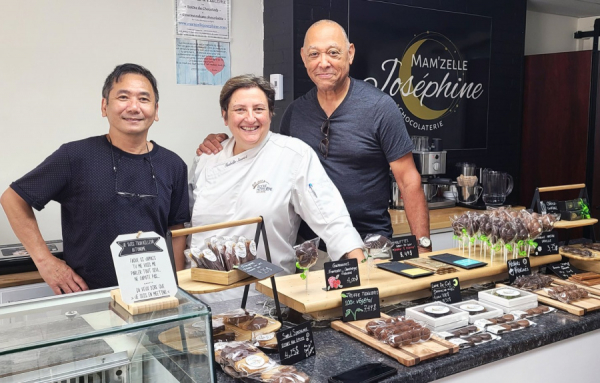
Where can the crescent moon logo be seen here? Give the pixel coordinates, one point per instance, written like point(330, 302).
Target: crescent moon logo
point(410, 100)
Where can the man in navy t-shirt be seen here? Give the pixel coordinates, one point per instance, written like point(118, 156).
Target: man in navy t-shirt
point(108, 185)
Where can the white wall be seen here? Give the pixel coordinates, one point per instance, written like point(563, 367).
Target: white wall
point(55, 55)
point(547, 33)
point(585, 24)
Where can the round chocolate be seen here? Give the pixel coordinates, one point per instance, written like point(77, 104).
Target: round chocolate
point(507, 327)
point(464, 332)
point(500, 320)
point(493, 320)
point(425, 333)
point(476, 339)
point(456, 333)
point(515, 325)
point(485, 336)
point(471, 328)
point(508, 317)
point(523, 323)
point(537, 311)
point(544, 308)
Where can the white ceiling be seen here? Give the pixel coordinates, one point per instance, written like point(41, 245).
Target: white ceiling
point(572, 8)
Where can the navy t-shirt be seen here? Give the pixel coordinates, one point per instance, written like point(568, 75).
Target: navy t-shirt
point(366, 133)
point(80, 176)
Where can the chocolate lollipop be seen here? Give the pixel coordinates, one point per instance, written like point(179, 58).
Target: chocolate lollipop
point(507, 235)
point(521, 235)
point(306, 256)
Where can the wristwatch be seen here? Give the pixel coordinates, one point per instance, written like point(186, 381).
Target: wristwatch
point(425, 242)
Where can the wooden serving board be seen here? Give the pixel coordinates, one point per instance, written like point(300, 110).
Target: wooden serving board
point(594, 258)
point(184, 278)
point(407, 355)
point(195, 337)
point(392, 287)
point(579, 307)
point(242, 335)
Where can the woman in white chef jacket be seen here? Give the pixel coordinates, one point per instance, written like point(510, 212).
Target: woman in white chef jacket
point(261, 173)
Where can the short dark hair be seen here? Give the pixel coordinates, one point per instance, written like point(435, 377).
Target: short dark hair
point(247, 81)
point(124, 69)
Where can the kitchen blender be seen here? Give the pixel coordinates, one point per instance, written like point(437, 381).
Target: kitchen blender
point(431, 163)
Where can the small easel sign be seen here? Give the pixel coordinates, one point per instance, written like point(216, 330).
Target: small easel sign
point(144, 272)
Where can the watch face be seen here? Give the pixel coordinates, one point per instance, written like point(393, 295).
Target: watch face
point(425, 242)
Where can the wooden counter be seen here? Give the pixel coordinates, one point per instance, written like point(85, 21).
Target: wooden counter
point(393, 288)
point(19, 279)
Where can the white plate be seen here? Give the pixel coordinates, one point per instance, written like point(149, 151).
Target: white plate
point(508, 292)
point(436, 310)
point(472, 308)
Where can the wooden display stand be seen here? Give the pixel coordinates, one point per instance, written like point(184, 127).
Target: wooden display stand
point(194, 287)
point(566, 224)
point(145, 306)
point(407, 355)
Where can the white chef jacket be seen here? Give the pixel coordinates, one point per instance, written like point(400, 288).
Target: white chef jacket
point(281, 180)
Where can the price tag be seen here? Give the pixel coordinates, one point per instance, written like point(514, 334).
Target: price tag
point(143, 267)
point(404, 248)
point(562, 270)
point(547, 243)
point(360, 304)
point(296, 344)
point(259, 268)
point(547, 207)
point(447, 291)
point(341, 274)
point(517, 268)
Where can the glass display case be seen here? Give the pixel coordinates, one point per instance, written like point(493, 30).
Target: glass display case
point(86, 337)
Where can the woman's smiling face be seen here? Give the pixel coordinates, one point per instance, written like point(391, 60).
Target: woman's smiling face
point(248, 118)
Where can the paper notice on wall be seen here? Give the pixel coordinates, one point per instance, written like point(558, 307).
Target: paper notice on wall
point(202, 62)
point(206, 19)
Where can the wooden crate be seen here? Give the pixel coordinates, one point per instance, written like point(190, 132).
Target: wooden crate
point(218, 277)
point(407, 355)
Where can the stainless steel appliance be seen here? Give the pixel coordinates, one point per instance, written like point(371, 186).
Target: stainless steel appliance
point(430, 161)
point(15, 259)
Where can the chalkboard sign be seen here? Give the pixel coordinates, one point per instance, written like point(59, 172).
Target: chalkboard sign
point(259, 268)
point(296, 344)
point(404, 248)
point(547, 207)
point(341, 274)
point(360, 304)
point(547, 243)
point(447, 291)
point(562, 269)
point(517, 268)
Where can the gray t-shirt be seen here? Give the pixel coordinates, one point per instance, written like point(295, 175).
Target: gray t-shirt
point(366, 133)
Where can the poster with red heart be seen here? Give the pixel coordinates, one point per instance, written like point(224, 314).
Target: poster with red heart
point(202, 62)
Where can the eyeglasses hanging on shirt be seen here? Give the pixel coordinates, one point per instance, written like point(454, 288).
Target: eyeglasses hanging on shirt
point(122, 183)
point(324, 144)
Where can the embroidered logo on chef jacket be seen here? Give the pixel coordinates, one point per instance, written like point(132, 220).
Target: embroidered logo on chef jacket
point(262, 186)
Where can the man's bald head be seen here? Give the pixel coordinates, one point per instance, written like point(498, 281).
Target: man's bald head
point(329, 23)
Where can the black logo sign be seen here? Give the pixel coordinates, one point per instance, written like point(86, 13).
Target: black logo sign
point(259, 268)
point(447, 291)
point(404, 248)
point(360, 304)
point(517, 268)
point(562, 270)
point(341, 274)
point(139, 246)
point(296, 344)
point(547, 243)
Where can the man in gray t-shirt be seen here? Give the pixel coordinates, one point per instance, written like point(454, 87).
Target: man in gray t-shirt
point(358, 132)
